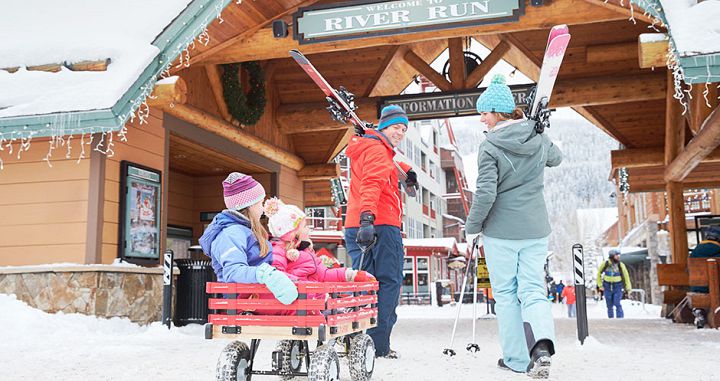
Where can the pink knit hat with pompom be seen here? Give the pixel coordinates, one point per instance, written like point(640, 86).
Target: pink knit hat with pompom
point(241, 191)
point(283, 219)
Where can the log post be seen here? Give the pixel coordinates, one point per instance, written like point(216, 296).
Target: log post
point(674, 142)
point(714, 286)
point(457, 63)
point(656, 294)
point(226, 130)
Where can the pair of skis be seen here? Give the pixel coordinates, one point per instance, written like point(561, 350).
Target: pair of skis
point(342, 108)
point(557, 44)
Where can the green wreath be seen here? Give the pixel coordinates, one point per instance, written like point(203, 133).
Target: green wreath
point(246, 109)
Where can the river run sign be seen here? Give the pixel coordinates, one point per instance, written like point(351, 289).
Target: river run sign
point(448, 104)
point(365, 18)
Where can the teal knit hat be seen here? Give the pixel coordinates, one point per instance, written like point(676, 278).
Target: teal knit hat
point(392, 114)
point(497, 97)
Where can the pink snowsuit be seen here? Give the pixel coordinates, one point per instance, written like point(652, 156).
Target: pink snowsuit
point(307, 267)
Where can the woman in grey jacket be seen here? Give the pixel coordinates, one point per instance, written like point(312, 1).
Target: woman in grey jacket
point(509, 211)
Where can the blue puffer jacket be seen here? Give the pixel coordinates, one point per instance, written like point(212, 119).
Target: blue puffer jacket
point(232, 248)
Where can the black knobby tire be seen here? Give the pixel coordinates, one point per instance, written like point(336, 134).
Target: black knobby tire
point(233, 362)
point(292, 357)
point(361, 357)
point(324, 364)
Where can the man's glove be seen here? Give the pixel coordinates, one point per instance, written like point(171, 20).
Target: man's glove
point(625, 294)
point(366, 234)
point(411, 181)
point(277, 282)
point(470, 238)
point(358, 276)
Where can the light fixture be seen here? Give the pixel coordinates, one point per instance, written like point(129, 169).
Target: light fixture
point(512, 73)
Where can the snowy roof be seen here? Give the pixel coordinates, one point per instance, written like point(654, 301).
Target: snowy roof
point(694, 26)
point(694, 34)
point(446, 243)
point(451, 217)
point(141, 38)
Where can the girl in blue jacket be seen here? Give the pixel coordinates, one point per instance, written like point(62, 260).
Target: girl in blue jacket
point(237, 243)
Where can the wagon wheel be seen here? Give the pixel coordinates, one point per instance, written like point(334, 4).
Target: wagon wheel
point(233, 362)
point(324, 364)
point(361, 357)
point(292, 357)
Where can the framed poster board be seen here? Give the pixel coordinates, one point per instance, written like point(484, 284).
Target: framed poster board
point(139, 225)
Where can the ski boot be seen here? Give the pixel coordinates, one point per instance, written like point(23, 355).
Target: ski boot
point(539, 367)
point(700, 319)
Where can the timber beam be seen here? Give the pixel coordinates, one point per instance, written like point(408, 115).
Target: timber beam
point(214, 77)
point(652, 52)
point(457, 62)
point(474, 78)
point(261, 45)
point(648, 157)
point(298, 118)
point(313, 172)
point(425, 69)
point(172, 90)
point(699, 147)
point(608, 90)
point(226, 130)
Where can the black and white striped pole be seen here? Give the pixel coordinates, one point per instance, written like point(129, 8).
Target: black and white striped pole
point(579, 275)
point(167, 288)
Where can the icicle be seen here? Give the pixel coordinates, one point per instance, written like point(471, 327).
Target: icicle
point(50, 149)
point(82, 147)
point(69, 147)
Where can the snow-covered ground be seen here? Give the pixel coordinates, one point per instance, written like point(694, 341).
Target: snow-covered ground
point(35, 345)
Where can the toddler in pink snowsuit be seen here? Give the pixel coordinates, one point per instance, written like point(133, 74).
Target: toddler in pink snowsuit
point(292, 248)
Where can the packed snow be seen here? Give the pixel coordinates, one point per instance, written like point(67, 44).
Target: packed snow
point(694, 25)
point(37, 345)
point(39, 32)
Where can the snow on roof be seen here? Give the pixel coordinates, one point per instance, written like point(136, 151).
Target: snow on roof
point(38, 32)
point(694, 26)
point(447, 243)
point(451, 217)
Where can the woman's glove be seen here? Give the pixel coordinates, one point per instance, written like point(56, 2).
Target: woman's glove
point(359, 276)
point(277, 282)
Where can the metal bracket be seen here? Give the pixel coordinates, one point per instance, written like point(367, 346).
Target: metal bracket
point(208, 331)
point(231, 330)
point(302, 331)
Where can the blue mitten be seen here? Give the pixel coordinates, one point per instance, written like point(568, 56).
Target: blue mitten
point(277, 282)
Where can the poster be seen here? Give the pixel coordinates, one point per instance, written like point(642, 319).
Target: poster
point(140, 235)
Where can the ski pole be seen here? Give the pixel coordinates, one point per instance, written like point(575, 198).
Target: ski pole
point(449, 351)
point(473, 347)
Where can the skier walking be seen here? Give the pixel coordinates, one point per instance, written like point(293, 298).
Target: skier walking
point(374, 213)
point(509, 210)
point(613, 276)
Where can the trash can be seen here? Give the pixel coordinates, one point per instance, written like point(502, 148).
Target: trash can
point(191, 301)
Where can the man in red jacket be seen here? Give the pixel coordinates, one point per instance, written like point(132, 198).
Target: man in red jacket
point(374, 215)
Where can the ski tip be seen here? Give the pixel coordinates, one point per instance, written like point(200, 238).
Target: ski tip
point(558, 30)
point(298, 56)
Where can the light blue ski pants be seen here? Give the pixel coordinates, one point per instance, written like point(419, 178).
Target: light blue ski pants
point(518, 282)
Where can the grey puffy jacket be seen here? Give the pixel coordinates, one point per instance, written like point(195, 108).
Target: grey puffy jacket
point(509, 202)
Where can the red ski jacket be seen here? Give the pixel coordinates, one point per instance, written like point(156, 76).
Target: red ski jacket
point(373, 181)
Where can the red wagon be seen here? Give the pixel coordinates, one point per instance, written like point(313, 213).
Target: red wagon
point(333, 321)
